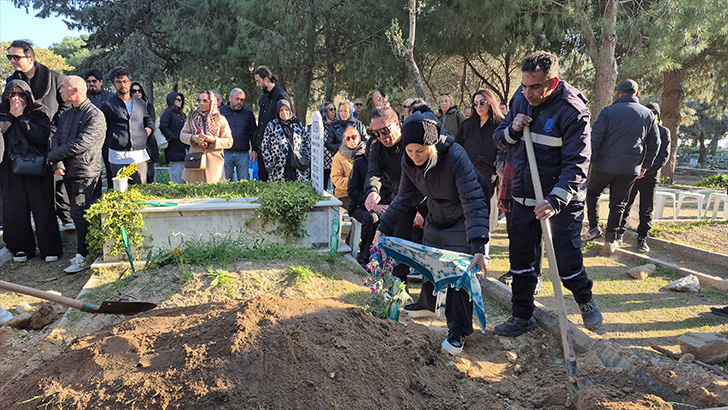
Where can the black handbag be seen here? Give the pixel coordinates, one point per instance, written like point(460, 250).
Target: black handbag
point(29, 164)
point(298, 161)
point(195, 160)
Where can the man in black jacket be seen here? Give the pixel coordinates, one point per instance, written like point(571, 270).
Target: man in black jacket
point(76, 156)
point(128, 126)
point(95, 84)
point(267, 103)
point(242, 126)
point(624, 145)
point(44, 83)
point(646, 185)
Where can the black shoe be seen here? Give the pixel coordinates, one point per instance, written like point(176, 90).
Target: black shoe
point(414, 310)
point(454, 343)
point(642, 245)
point(515, 326)
point(591, 315)
point(506, 279)
point(720, 311)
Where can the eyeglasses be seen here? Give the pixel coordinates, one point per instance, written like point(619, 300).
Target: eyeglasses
point(127, 81)
point(382, 132)
point(15, 58)
point(203, 100)
point(480, 103)
point(358, 104)
point(332, 109)
point(92, 81)
point(135, 91)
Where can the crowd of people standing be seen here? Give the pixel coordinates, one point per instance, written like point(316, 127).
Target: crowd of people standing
point(426, 175)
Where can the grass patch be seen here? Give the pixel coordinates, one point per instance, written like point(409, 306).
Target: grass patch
point(299, 274)
point(660, 229)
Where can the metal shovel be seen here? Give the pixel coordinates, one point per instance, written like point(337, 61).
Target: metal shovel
point(575, 384)
point(113, 307)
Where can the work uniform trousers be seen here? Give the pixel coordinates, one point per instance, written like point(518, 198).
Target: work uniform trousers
point(524, 250)
point(23, 195)
point(646, 188)
point(459, 307)
point(82, 192)
point(619, 187)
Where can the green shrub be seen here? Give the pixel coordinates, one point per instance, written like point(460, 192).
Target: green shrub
point(715, 181)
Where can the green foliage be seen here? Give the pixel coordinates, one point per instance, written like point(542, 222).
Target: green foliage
point(660, 229)
point(714, 181)
point(116, 216)
point(220, 278)
point(287, 204)
point(72, 49)
point(299, 274)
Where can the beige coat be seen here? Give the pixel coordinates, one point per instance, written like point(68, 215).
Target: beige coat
point(340, 170)
point(214, 154)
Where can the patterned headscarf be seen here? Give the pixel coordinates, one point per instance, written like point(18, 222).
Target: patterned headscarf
point(208, 122)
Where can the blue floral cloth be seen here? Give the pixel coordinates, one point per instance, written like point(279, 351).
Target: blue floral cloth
point(440, 267)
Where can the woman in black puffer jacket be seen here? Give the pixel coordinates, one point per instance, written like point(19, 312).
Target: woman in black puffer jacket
point(457, 220)
point(171, 123)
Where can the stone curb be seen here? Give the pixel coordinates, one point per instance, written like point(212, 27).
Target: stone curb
point(609, 354)
point(693, 252)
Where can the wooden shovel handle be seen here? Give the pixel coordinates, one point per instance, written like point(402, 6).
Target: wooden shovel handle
point(77, 304)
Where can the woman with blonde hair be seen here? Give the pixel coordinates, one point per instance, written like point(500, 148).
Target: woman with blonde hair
point(207, 132)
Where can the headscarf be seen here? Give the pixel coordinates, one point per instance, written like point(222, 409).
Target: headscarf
point(324, 110)
point(16, 142)
point(352, 152)
point(349, 108)
point(287, 124)
point(208, 122)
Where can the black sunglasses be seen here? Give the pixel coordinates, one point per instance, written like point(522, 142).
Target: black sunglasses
point(17, 94)
point(136, 90)
point(358, 104)
point(14, 57)
point(92, 81)
point(384, 131)
point(332, 109)
point(480, 103)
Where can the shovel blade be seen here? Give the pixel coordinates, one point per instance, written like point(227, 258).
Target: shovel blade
point(124, 307)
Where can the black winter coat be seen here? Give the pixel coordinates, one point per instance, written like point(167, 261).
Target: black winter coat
point(122, 132)
point(45, 86)
point(357, 190)
point(76, 146)
point(336, 134)
point(242, 126)
point(478, 141)
point(267, 104)
point(27, 133)
point(170, 124)
point(455, 191)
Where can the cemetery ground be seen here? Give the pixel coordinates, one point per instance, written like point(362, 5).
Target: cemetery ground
point(274, 327)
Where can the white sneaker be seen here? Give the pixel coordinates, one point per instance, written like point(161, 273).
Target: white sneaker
point(51, 258)
point(4, 316)
point(78, 264)
point(20, 257)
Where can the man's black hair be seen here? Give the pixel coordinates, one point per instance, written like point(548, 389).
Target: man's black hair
point(93, 72)
point(119, 71)
point(264, 72)
point(26, 45)
point(543, 61)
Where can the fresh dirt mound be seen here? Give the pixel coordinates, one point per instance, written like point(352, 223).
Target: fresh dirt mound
point(279, 353)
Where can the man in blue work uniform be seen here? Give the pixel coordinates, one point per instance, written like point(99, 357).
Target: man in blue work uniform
point(558, 118)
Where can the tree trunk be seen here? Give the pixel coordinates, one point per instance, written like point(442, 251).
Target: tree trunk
point(673, 95)
point(702, 152)
point(409, 52)
point(605, 79)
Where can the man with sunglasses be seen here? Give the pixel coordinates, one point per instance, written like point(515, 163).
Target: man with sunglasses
point(95, 84)
point(128, 126)
point(358, 105)
point(558, 118)
point(385, 167)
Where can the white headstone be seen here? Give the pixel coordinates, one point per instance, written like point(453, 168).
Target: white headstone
point(317, 152)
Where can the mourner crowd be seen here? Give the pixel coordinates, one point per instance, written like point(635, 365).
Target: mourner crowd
point(427, 175)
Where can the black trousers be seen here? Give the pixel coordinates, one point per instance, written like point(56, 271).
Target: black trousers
point(524, 253)
point(403, 230)
point(459, 307)
point(23, 195)
point(82, 193)
point(139, 177)
point(369, 221)
point(491, 177)
point(619, 187)
point(262, 171)
point(646, 188)
point(63, 208)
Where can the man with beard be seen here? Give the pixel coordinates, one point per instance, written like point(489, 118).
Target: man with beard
point(128, 126)
point(95, 84)
point(242, 126)
point(272, 93)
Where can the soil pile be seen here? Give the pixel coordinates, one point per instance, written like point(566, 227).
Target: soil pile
point(306, 354)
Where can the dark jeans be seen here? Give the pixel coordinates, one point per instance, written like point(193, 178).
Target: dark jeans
point(139, 177)
point(23, 195)
point(524, 250)
point(369, 221)
point(63, 208)
point(619, 187)
point(82, 193)
point(646, 188)
point(459, 307)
